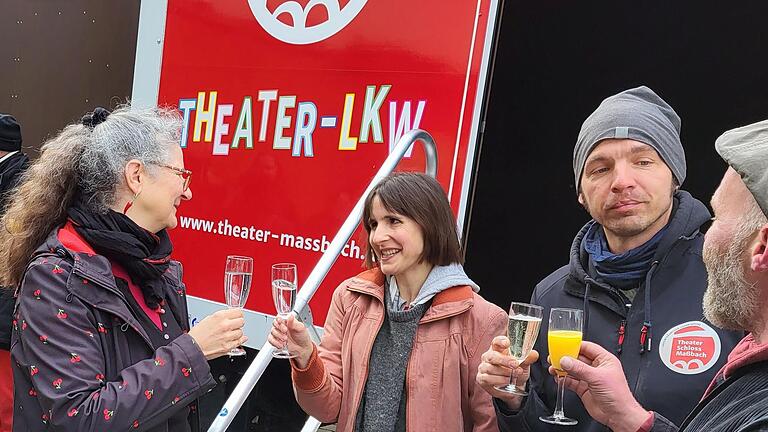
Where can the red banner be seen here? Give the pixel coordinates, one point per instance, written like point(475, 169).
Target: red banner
point(291, 106)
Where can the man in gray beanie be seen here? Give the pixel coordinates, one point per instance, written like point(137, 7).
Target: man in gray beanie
point(635, 270)
point(736, 257)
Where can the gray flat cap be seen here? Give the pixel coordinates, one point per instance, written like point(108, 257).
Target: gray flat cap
point(638, 114)
point(746, 151)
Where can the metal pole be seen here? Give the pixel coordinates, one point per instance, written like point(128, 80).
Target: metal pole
point(259, 365)
point(312, 425)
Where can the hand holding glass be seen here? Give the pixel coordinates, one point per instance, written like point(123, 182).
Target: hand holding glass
point(564, 339)
point(237, 284)
point(522, 331)
point(284, 282)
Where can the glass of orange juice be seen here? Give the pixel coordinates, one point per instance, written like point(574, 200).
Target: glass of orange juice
point(564, 339)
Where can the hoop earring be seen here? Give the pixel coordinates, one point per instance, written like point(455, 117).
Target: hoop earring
point(129, 204)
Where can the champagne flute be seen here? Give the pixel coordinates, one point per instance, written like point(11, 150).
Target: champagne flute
point(284, 282)
point(237, 284)
point(522, 331)
point(564, 339)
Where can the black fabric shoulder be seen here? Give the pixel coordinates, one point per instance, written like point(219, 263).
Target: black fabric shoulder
point(554, 280)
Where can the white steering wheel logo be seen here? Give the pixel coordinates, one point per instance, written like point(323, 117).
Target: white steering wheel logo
point(299, 33)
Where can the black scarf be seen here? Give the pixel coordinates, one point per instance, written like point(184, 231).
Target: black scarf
point(144, 255)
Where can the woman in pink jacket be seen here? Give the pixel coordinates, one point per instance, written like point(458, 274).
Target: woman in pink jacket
point(403, 339)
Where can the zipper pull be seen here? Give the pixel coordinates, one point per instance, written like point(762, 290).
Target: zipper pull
point(645, 338)
point(622, 328)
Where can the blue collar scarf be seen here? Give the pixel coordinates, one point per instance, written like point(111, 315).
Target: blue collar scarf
point(623, 271)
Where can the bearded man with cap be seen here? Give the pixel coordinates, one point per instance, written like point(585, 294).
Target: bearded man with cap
point(736, 257)
point(635, 269)
point(12, 164)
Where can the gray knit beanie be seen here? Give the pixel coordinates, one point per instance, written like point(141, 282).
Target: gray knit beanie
point(638, 114)
point(746, 151)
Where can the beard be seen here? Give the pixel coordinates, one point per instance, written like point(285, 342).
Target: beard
point(730, 302)
point(635, 224)
point(630, 226)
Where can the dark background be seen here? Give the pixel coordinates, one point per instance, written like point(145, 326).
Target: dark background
point(555, 63)
point(60, 59)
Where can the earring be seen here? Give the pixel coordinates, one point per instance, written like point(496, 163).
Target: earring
point(129, 204)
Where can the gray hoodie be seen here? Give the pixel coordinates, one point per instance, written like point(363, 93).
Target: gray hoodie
point(439, 279)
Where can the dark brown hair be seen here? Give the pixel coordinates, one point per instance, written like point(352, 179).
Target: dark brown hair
point(422, 199)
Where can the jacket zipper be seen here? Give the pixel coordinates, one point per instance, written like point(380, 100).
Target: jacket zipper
point(644, 359)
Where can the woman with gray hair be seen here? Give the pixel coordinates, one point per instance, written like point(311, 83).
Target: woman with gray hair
point(100, 336)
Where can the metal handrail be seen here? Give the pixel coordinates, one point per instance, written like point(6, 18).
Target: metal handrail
point(259, 364)
point(312, 425)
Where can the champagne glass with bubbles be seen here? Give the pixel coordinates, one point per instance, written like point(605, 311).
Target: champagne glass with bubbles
point(564, 339)
point(237, 284)
point(522, 331)
point(284, 282)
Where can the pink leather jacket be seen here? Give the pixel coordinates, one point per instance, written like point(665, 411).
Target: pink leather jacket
point(440, 380)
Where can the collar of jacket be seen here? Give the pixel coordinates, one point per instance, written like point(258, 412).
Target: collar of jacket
point(10, 168)
point(685, 223)
point(13, 161)
point(447, 303)
point(88, 265)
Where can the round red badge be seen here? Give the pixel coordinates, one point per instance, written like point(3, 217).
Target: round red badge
point(690, 348)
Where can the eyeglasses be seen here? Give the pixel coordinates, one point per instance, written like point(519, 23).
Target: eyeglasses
point(185, 174)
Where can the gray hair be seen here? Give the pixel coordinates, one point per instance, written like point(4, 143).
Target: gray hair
point(80, 161)
point(141, 134)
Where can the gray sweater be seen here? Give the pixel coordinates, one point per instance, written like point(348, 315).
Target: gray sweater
point(382, 407)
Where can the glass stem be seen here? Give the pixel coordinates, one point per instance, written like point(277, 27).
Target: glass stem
point(513, 381)
point(560, 393)
point(285, 345)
